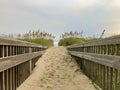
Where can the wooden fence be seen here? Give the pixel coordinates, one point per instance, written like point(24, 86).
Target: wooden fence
point(100, 61)
point(17, 60)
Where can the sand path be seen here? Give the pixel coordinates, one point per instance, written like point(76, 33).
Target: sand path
point(57, 70)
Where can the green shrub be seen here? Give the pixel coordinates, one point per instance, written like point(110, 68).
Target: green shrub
point(70, 41)
point(74, 40)
point(43, 42)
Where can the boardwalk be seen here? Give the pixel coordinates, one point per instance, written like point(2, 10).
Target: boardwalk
point(57, 70)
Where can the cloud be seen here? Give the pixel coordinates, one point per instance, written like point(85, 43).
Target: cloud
point(59, 5)
point(114, 4)
point(58, 16)
point(59, 2)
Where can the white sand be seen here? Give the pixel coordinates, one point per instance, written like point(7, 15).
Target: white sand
point(57, 70)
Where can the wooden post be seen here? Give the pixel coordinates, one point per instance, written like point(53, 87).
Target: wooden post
point(3, 80)
point(116, 79)
point(7, 79)
point(97, 73)
point(118, 83)
point(99, 80)
point(30, 62)
point(11, 80)
point(6, 51)
point(116, 50)
point(13, 51)
point(104, 77)
point(0, 80)
point(10, 51)
point(16, 50)
point(16, 76)
point(3, 51)
point(111, 78)
point(23, 50)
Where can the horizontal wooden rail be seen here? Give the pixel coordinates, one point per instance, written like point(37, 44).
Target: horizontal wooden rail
point(8, 62)
point(115, 40)
point(14, 42)
point(100, 61)
point(107, 60)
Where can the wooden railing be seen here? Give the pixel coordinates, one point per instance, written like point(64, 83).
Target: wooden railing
point(17, 60)
point(100, 61)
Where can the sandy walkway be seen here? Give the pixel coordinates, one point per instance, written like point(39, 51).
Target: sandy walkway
point(57, 70)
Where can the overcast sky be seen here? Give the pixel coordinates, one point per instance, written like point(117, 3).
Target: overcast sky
point(58, 16)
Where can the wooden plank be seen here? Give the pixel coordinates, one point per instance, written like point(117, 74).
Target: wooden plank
point(3, 81)
point(7, 79)
point(106, 41)
point(111, 78)
point(12, 61)
point(13, 71)
point(107, 60)
point(3, 51)
point(108, 78)
point(14, 42)
point(0, 80)
point(104, 77)
point(11, 79)
point(116, 79)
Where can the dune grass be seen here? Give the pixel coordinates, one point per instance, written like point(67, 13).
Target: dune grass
point(74, 40)
point(43, 42)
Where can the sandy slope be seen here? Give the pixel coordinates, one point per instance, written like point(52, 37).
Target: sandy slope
point(57, 70)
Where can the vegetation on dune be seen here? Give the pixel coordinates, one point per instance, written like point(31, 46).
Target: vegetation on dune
point(42, 41)
point(39, 37)
point(71, 38)
point(42, 38)
point(70, 41)
point(47, 39)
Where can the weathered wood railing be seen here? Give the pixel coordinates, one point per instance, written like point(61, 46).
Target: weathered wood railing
point(100, 61)
point(17, 60)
